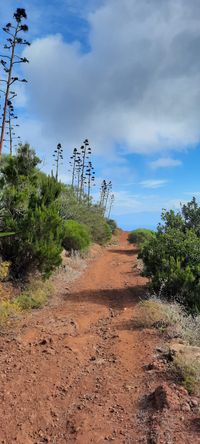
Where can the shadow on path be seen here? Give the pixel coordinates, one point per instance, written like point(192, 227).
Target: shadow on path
point(113, 298)
point(128, 252)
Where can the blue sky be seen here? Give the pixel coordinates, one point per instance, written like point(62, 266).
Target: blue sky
point(126, 75)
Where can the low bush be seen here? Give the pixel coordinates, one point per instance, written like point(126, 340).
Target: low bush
point(172, 262)
point(101, 233)
point(140, 235)
point(112, 224)
point(172, 257)
point(29, 207)
point(76, 236)
point(91, 216)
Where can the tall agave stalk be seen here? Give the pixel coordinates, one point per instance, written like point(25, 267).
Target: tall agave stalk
point(11, 126)
point(111, 203)
point(107, 195)
point(9, 60)
point(58, 157)
point(73, 164)
point(85, 151)
point(103, 193)
point(82, 170)
point(90, 177)
point(78, 175)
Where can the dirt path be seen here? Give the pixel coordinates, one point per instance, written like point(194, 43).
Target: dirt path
point(74, 371)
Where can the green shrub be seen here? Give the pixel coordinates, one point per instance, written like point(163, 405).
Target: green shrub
point(112, 224)
point(172, 261)
point(101, 233)
point(76, 236)
point(29, 207)
point(91, 216)
point(172, 257)
point(140, 235)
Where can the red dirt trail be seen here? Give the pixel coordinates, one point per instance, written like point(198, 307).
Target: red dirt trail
point(73, 372)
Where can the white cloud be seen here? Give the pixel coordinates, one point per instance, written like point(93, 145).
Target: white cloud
point(138, 85)
point(165, 162)
point(129, 204)
point(153, 183)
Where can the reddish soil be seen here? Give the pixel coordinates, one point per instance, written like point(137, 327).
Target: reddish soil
point(76, 371)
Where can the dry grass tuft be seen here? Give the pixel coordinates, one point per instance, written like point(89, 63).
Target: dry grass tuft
point(7, 309)
point(189, 372)
point(171, 318)
point(4, 270)
point(35, 296)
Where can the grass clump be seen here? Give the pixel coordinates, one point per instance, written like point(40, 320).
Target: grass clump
point(4, 270)
point(188, 371)
point(34, 296)
point(7, 309)
point(155, 312)
point(173, 320)
point(165, 316)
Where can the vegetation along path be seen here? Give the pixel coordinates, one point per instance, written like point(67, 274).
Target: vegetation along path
point(75, 370)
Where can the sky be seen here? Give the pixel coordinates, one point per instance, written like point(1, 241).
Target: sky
point(125, 75)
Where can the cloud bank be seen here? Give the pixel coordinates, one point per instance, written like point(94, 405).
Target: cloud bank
point(137, 86)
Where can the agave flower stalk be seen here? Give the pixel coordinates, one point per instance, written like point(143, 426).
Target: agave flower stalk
point(8, 61)
point(90, 173)
point(86, 151)
point(112, 199)
point(58, 157)
point(73, 163)
point(107, 195)
point(103, 191)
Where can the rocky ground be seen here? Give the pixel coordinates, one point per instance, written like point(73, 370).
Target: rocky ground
point(82, 371)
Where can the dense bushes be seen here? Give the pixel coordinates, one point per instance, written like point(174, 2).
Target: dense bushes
point(76, 236)
point(140, 235)
point(101, 232)
point(112, 224)
point(172, 257)
point(92, 216)
point(40, 216)
point(29, 208)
